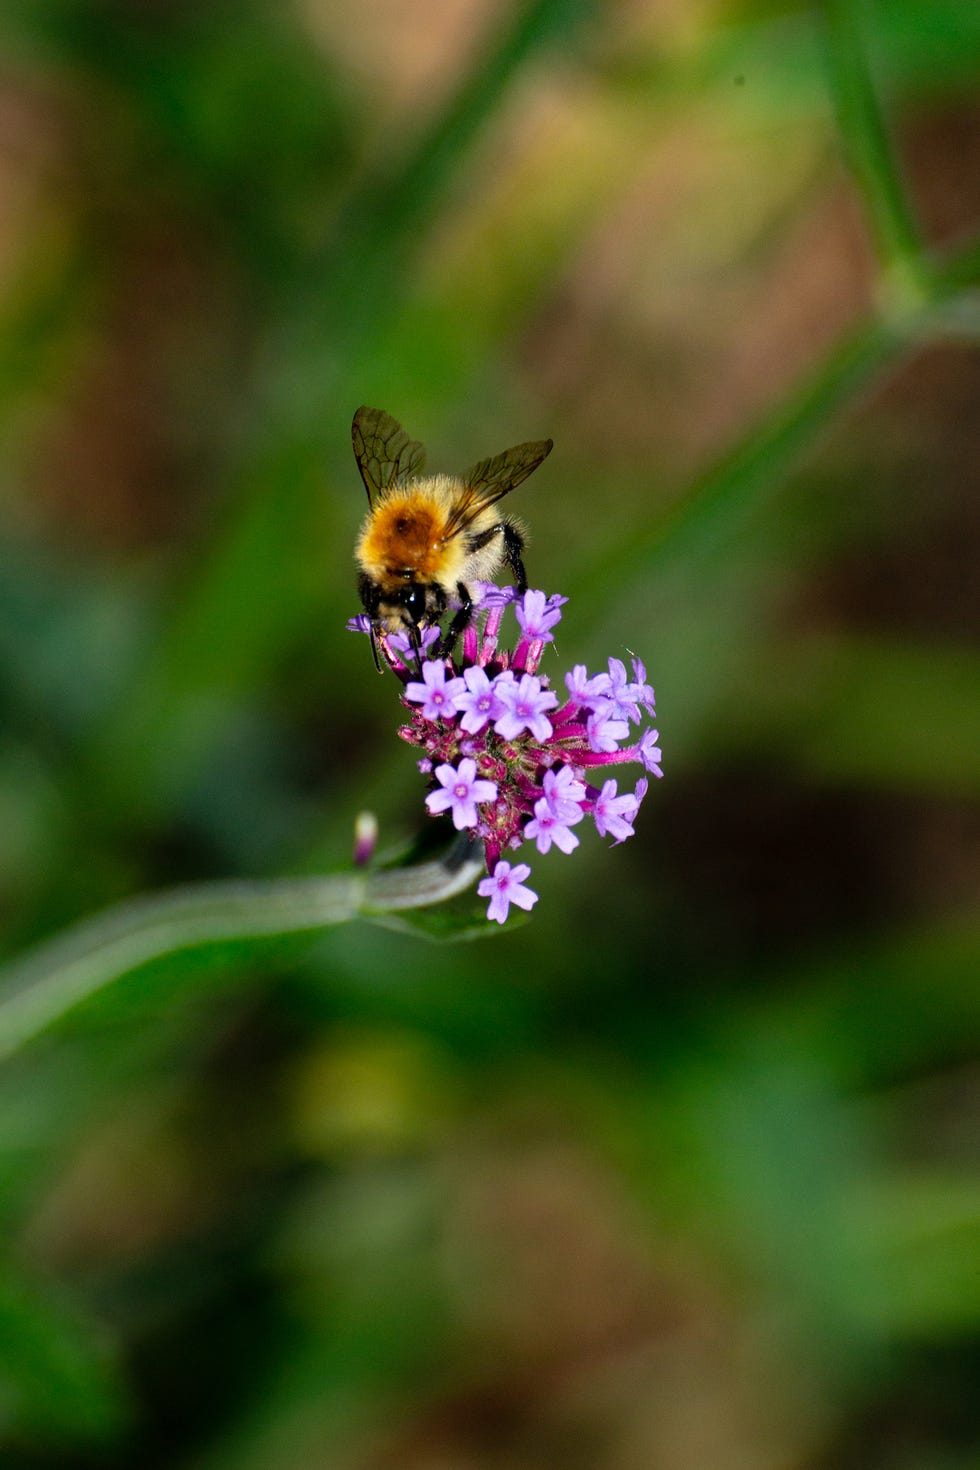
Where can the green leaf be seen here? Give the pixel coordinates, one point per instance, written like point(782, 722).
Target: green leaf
point(449, 924)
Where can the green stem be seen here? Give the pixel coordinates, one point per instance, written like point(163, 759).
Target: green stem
point(754, 468)
point(871, 153)
point(38, 988)
point(758, 464)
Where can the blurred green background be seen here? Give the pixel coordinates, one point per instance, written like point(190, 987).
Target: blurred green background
point(680, 1175)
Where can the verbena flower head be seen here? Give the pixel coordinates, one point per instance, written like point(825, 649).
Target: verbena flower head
point(505, 757)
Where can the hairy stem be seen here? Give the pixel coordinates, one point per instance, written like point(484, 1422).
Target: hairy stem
point(38, 988)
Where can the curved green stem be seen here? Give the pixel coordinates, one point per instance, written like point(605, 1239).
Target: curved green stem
point(38, 988)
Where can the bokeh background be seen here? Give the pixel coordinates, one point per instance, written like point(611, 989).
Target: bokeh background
point(681, 1174)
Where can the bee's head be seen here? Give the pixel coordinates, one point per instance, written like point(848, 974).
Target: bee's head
point(412, 602)
point(402, 605)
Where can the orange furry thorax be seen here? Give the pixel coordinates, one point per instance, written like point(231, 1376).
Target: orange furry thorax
point(404, 534)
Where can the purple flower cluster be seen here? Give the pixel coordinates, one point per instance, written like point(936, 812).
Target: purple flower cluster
point(510, 762)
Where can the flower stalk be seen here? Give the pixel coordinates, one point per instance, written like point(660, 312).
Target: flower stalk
point(38, 988)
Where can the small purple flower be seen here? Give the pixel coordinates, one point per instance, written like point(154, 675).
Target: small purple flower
point(650, 753)
point(624, 705)
point(564, 793)
point(524, 703)
point(604, 729)
point(506, 886)
point(479, 703)
point(546, 828)
point(583, 689)
point(537, 614)
point(614, 814)
point(360, 623)
point(460, 793)
point(437, 698)
point(489, 595)
point(506, 772)
point(403, 645)
point(641, 690)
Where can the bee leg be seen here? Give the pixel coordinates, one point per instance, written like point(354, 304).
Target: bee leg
point(374, 649)
point(415, 640)
point(513, 549)
point(437, 608)
point(514, 553)
point(369, 595)
point(459, 623)
point(370, 600)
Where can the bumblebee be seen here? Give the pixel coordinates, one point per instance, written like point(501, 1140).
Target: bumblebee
point(427, 538)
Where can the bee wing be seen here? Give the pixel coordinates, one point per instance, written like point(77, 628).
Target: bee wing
point(385, 454)
point(491, 479)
